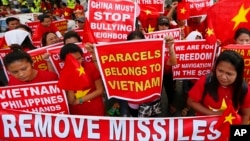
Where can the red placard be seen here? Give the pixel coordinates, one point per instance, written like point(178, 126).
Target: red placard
point(195, 58)
point(111, 20)
point(132, 70)
point(43, 97)
point(176, 33)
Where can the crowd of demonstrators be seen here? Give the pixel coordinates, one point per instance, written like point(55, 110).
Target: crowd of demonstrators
point(226, 77)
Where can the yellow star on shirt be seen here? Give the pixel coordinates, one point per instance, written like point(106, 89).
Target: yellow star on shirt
point(81, 70)
point(183, 10)
point(210, 32)
point(66, 13)
point(80, 93)
point(150, 29)
point(241, 16)
point(229, 118)
point(148, 12)
point(222, 107)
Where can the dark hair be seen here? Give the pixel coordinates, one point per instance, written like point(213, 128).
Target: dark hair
point(25, 27)
point(240, 31)
point(69, 48)
point(137, 34)
point(42, 17)
point(8, 20)
point(16, 54)
point(44, 38)
point(237, 61)
point(71, 34)
point(27, 43)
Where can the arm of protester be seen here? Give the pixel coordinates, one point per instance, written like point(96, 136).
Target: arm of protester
point(99, 91)
point(172, 56)
point(90, 49)
point(245, 114)
point(71, 96)
point(198, 107)
point(45, 57)
point(172, 9)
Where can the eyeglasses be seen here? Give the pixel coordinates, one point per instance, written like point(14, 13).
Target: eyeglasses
point(163, 24)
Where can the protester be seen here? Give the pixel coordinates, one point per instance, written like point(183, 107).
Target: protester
point(71, 37)
point(26, 28)
point(20, 66)
point(44, 26)
point(80, 23)
point(20, 37)
point(242, 36)
point(49, 38)
point(92, 103)
point(171, 60)
point(12, 23)
point(224, 86)
point(163, 23)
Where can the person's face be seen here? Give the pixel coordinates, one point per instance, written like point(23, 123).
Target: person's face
point(71, 40)
point(163, 26)
point(13, 24)
point(243, 39)
point(51, 39)
point(225, 73)
point(78, 57)
point(21, 70)
point(80, 24)
point(46, 22)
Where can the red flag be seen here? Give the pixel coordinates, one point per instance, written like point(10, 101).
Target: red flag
point(210, 35)
point(227, 16)
point(73, 76)
point(88, 35)
point(228, 118)
point(183, 10)
point(148, 18)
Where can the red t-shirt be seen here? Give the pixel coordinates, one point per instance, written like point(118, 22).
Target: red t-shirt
point(40, 30)
point(67, 13)
point(224, 93)
point(42, 76)
point(94, 106)
point(57, 12)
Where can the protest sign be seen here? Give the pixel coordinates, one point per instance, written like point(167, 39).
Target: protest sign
point(157, 4)
point(111, 20)
point(195, 58)
point(23, 126)
point(43, 97)
point(199, 7)
point(132, 70)
point(176, 33)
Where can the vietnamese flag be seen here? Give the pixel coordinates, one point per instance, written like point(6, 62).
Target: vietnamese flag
point(148, 17)
point(227, 16)
point(210, 35)
point(88, 35)
point(183, 10)
point(229, 117)
point(72, 75)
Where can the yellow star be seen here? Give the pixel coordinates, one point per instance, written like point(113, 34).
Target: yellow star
point(183, 10)
point(222, 107)
point(81, 70)
point(229, 118)
point(210, 32)
point(148, 12)
point(66, 13)
point(241, 16)
point(80, 94)
point(150, 29)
